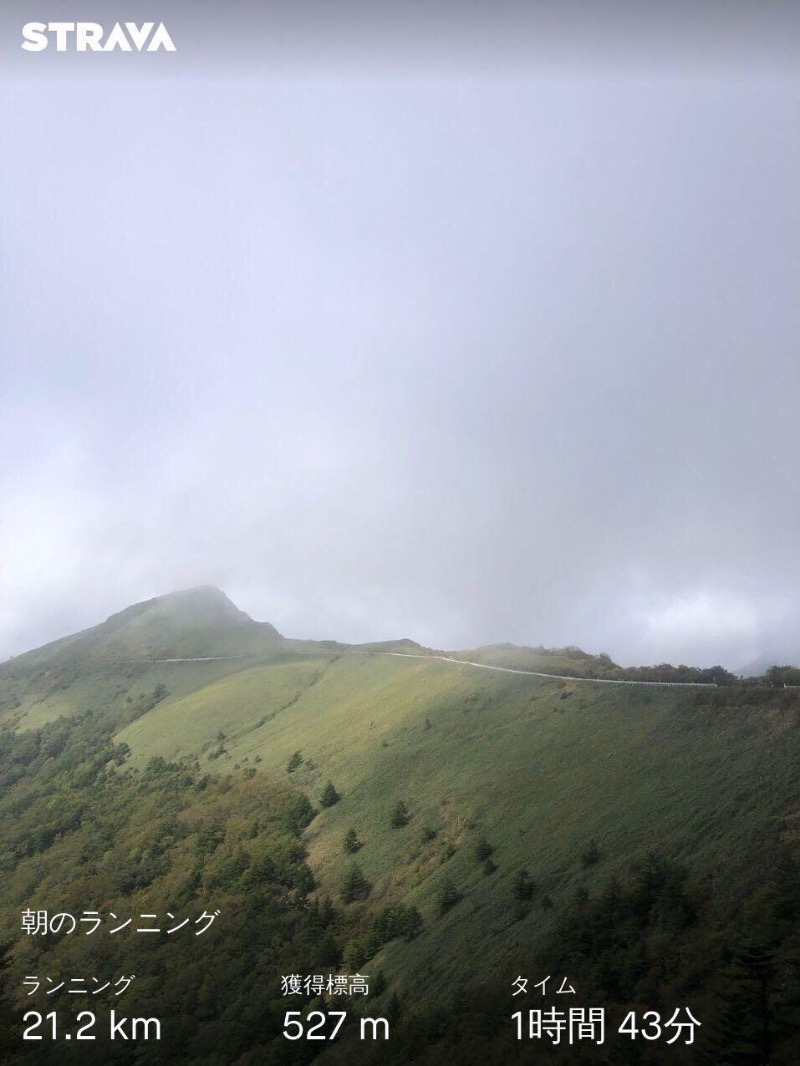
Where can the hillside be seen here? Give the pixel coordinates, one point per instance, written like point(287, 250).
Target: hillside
point(537, 767)
point(199, 621)
point(121, 661)
point(582, 785)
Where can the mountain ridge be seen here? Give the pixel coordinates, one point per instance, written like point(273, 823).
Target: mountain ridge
point(203, 608)
point(201, 629)
point(208, 607)
point(571, 784)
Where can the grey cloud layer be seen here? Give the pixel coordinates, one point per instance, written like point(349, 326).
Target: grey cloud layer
point(460, 358)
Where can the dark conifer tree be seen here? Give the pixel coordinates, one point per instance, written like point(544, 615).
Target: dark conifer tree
point(329, 795)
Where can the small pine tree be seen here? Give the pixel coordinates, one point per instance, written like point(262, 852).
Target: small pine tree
point(329, 795)
point(351, 842)
point(523, 886)
point(489, 866)
point(399, 816)
point(412, 923)
point(447, 897)
point(394, 1008)
point(354, 956)
point(355, 885)
point(483, 850)
point(299, 814)
point(591, 855)
point(295, 761)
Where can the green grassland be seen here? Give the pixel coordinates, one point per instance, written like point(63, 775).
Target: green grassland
point(537, 767)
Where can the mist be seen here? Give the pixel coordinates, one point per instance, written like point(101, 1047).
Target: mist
point(474, 348)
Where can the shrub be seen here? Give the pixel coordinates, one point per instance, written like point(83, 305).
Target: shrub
point(393, 923)
point(411, 923)
point(523, 886)
point(351, 842)
point(591, 855)
point(399, 816)
point(295, 761)
point(329, 795)
point(447, 897)
point(354, 956)
point(483, 850)
point(299, 814)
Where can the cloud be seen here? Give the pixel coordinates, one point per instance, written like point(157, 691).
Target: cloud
point(462, 358)
point(701, 622)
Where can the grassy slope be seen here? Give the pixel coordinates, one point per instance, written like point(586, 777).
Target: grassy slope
point(236, 706)
point(105, 669)
point(111, 669)
point(538, 767)
point(40, 700)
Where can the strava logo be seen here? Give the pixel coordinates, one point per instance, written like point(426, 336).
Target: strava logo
point(92, 37)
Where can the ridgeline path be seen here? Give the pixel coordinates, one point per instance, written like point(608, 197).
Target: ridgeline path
point(480, 666)
point(537, 673)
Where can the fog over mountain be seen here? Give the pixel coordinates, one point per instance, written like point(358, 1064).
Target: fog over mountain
point(456, 351)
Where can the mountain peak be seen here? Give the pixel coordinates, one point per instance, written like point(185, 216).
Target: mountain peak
point(203, 605)
point(190, 622)
point(763, 663)
point(204, 609)
point(204, 600)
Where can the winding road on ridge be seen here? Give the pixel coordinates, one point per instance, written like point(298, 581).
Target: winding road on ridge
point(536, 673)
point(480, 666)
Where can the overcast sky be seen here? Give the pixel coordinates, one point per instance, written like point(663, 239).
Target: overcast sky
point(457, 349)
